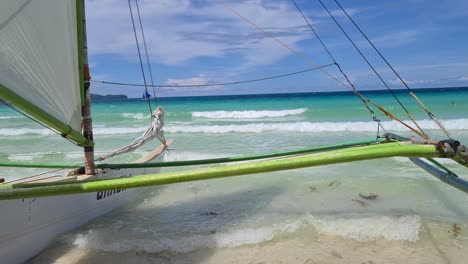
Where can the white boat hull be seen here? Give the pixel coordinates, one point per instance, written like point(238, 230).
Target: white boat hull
point(28, 226)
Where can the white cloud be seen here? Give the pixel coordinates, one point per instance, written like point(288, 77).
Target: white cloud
point(177, 31)
point(395, 39)
point(191, 81)
point(336, 13)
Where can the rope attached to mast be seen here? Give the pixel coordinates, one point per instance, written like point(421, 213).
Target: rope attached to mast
point(139, 53)
point(396, 73)
point(309, 61)
point(146, 53)
point(339, 68)
point(374, 70)
point(219, 84)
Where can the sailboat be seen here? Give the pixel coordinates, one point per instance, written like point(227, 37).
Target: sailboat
point(44, 74)
point(146, 96)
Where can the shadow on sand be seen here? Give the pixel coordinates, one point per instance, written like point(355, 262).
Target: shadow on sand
point(199, 217)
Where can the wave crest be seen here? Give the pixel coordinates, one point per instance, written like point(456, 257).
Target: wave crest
point(137, 116)
point(397, 228)
point(451, 124)
point(250, 114)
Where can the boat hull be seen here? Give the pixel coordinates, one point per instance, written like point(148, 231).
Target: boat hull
point(28, 226)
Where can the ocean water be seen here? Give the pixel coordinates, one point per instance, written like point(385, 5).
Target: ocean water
point(312, 215)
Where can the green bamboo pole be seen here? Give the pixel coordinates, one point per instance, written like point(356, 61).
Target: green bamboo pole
point(238, 158)
point(195, 162)
point(43, 117)
point(18, 191)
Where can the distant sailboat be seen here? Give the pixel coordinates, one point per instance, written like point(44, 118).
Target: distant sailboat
point(146, 95)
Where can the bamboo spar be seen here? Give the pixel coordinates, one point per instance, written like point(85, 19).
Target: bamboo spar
point(86, 105)
point(18, 191)
point(201, 161)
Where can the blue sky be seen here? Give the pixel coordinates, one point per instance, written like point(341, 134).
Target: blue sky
point(203, 42)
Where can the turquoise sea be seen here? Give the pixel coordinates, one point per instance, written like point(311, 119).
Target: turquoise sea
point(313, 215)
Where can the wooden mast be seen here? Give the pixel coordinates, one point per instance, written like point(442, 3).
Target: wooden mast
point(90, 168)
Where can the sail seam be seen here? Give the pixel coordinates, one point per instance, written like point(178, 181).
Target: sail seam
point(14, 14)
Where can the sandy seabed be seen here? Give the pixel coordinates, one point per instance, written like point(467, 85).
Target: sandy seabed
point(440, 244)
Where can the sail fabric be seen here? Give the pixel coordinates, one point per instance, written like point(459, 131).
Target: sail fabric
point(39, 55)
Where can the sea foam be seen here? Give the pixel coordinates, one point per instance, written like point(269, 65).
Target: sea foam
point(450, 124)
point(401, 228)
point(11, 117)
point(137, 116)
point(250, 114)
point(398, 228)
point(25, 131)
point(370, 126)
point(177, 155)
point(118, 130)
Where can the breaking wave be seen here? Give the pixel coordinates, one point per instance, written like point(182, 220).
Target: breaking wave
point(137, 116)
point(397, 228)
point(191, 155)
point(11, 117)
point(24, 131)
point(251, 114)
point(118, 130)
point(451, 124)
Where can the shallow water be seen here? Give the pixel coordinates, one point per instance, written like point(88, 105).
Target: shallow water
point(313, 215)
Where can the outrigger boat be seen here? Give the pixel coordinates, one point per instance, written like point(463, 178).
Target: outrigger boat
point(44, 75)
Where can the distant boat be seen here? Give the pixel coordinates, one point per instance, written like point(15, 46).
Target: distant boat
point(146, 95)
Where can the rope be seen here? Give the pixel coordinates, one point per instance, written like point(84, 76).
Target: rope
point(337, 65)
point(309, 61)
point(243, 158)
point(208, 161)
point(146, 53)
point(217, 84)
point(139, 53)
point(396, 73)
point(373, 69)
point(43, 173)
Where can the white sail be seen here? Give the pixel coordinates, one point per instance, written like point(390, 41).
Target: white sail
point(39, 55)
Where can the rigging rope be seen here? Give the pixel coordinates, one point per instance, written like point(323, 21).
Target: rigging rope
point(139, 53)
point(309, 61)
point(373, 69)
point(43, 173)
point(218, 84)
point(49, 128)
point(396, 73)
point(339, 67)
point(146, 52)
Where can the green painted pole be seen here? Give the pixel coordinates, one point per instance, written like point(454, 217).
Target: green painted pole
point(43, 117)
point(238, 158)
point(195, 162)
point(18, 191)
